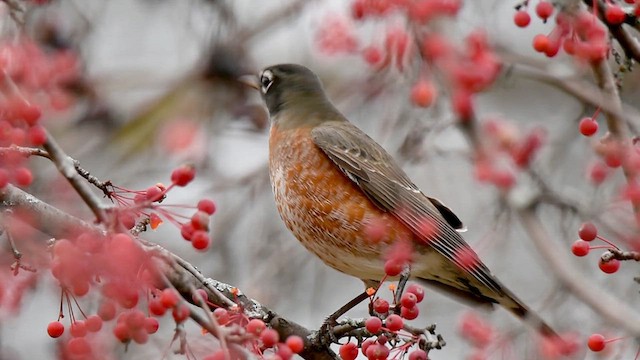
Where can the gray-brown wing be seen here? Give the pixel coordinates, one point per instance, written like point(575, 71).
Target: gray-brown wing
point(367, 164)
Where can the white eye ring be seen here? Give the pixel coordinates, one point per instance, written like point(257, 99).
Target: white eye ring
point(266, 80)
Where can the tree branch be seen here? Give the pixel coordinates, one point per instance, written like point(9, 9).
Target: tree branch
point(182, 275)
point(67, 168)
point(608, 307)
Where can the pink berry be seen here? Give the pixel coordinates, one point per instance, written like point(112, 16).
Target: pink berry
point(588, 126)
point(580, 248)
point(408, 300)
point(544, 9)
point(295, 343)
point(373, 324)
point(596, 342)
point(610, 266)
point(348, 351)
point(614, 14)
point(256, 326)
point(521, 18)
point(394, 322)
point(416, 290)
point(381, 306)
point(588, 231)
point(55, 329)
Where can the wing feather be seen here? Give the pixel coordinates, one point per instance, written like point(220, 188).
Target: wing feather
point(367, 164)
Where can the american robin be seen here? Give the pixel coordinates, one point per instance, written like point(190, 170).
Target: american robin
point(333, 184)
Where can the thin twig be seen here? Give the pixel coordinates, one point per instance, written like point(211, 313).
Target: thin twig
point(67, 167)
point(618, 254)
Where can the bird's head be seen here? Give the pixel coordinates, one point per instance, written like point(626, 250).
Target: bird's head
point(296, 91)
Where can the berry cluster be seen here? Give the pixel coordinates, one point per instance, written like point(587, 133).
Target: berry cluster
point(580, 34)
point(134, 204)
point(467, 68)
point(387, 338)
point(506, 152)
point(581, 247)
point(33, 80)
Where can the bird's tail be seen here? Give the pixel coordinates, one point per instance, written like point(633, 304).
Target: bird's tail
point(505, 298)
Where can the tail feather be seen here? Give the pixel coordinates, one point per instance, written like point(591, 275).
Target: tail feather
point(473, 296)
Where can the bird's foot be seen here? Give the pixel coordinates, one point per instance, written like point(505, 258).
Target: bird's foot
point(325, 335)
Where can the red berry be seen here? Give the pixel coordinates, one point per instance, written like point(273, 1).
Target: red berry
point(423, 93)
point(222, 316)
point(598, 172)
point(93, 323)
point(79, 346)
point(37, 135)
point(588, 126)
point(580, 248)
point(23, 176)
point(135, 319)
point(416, 290)
point(200, 220)
point(256, 326)
point(208, 206)
point(393, 267)
point(154, 193)
point(348, 351)
point(541, 43)
point(200, 240)
point(107, 311)
point(366, 344)
point(418, 355)
point(78, 329)
point(156, 307)
point(180, 313)
point(588, 231)
point(372, 55)
point(269, 338)
point(522, 18)
point(544, 9)
point(295, 343)
point(183, 175)
point(151, 325)
point(410, 313)
point(169, 298)
point(377, 352)
point(596, 342)
point(394, 322)
point(373, 324)
point(614, 14)
point(140, 336)
point(610, 266)
point(55, 329)
point(381, 306)
point(284, 352)
point(121, 332)
point(186, 230)
point(408, 300)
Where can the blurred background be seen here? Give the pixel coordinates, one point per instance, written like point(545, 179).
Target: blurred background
point(158, 89)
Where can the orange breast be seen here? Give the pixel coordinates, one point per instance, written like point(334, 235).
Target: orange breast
point(325, 210)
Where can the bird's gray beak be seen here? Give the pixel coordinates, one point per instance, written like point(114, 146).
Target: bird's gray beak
point(250, 80)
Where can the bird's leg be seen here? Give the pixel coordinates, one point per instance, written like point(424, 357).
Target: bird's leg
point(404, 278)
point(325, 334)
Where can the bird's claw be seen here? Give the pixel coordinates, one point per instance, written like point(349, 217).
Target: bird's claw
point(326, 336)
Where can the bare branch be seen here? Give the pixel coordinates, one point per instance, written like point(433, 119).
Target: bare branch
point(182, 275)
point(67, 167)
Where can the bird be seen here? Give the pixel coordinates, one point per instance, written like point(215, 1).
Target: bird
point(332, 184)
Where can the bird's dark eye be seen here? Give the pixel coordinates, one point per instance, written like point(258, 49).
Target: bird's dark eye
point(266, 80)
